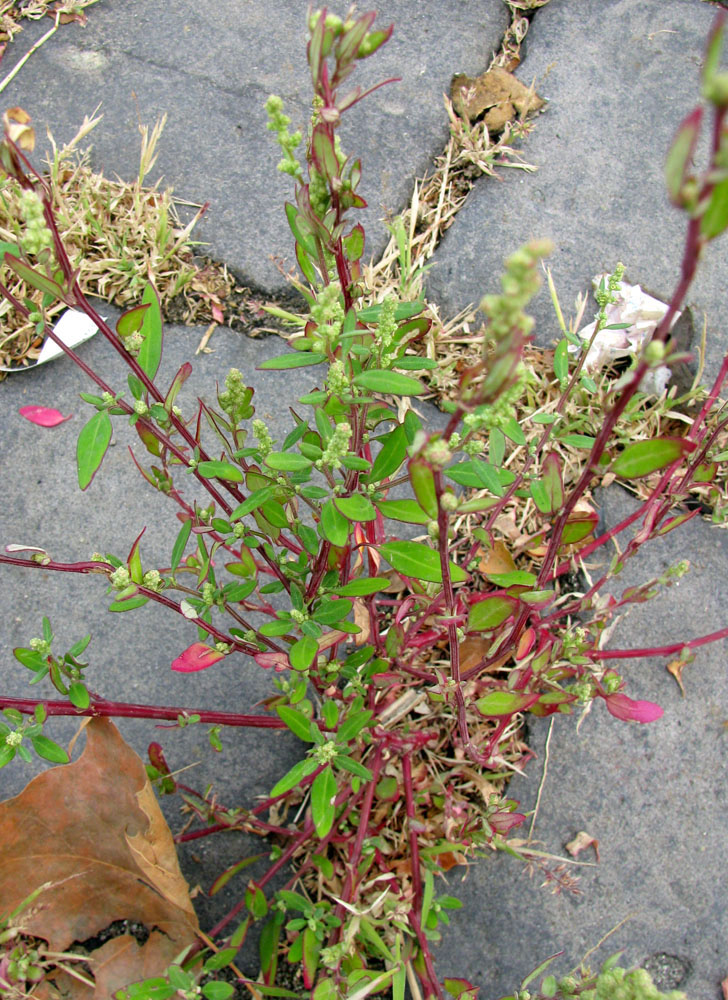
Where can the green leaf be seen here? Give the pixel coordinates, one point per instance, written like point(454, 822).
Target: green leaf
point(714, 219)
point(540, 496)
point(353, 767)
point(390, 456)
point(34, 278)
point(643, 457)
point(516, 578)
point(354, 243)
point(179, 545)
point(423, 486)
point(412, 363)
point(303, 653)
point(130, 604)
point(130, 322)
point(353, 725)
point(299, 359)
point(297, 722)
point(419, 561)
point(561, 360)
point(218, 990)
point(49, 750)
point(356, 507)
point(6, 754)
point(362, 587)
point(496, 446)
point(490, 613)
point(285, 461)
point(330, 612)
point(78, 695)
point(296, 774)
point(477, 475)
point(222, 958)
point(334, 526)
point(504, 702)
point(381, 380)
point(680, 154)
point(150, 353)
point(255, 500)
point(577, 440)
point(512, 430)
point(408, 511)
point(220, 470)
point(323, 793)
point(223, 879)
point(93, 441)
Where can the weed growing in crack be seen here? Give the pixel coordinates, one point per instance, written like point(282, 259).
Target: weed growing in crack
point(403, 666)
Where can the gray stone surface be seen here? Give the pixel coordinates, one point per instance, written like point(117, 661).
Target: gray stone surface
point(619, 75)
point(211, 68)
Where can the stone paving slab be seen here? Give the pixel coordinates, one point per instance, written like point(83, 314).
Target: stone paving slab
point(210, 67)
point(619, 77)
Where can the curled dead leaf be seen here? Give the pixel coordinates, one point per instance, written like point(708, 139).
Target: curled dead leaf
point(94, 830)
point(15, 122)
point(580, 843)
point(676, 667)
point(496, 96)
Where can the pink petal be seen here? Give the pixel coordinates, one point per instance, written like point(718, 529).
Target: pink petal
point(197, 657)
point(622, 707)
point(43, 416)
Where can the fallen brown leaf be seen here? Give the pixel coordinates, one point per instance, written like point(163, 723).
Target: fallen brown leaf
point(676, 667)
point(497, 96)
point(94, 830)
point(580, 843)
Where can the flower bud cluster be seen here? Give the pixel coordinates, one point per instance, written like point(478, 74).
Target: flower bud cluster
point(233, 400)
point(120, 578)
point(152, 580)
point(328, 313)
point(337, 447)
point(287, 140)
point(262, 436)
point(338, 380)
point(37, 234)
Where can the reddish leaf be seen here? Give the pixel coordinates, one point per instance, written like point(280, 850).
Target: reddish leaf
point(43, 416)
point(629, 710)
point(198, 656)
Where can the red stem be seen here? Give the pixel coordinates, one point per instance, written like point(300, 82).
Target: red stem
point(100, 707)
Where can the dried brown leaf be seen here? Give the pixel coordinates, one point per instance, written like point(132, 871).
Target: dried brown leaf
point(676, 667)
point(93, 828)
point(580, 843)
point(497, 96)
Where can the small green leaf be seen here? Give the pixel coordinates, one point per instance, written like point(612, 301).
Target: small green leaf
point(93, 442)
point(150, 353)
point(356, 507)
point(218, 990)
point(299, 359)
point(505, 702)
point(408, 511)
point(561, 360)
point(302, 654)
point(419, 561)
point(179, 545)
point(334, 525)
point(49, 750)
point(287, 461)
point(130, 604)
point(78, 695)
point(296, 774)
point(297, 722)
point(577, 440)
point(353, 725)
point(714, 219)
point(390, 456)
point(381, 380)
point(413, 363)
point(220, 470)
point(255, 500)
point(34, 278)
point(223, 879)
point(490, 613)
point(643, 457)
point(331, 612)
point(323, 793)
point(423, 486)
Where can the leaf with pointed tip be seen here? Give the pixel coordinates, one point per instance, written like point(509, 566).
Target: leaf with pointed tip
point(43, 416)
point(418, 561)
point(196, 657)
point(93, 442)
point(150, 353)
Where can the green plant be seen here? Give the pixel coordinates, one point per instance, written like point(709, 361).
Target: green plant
point(404, 666)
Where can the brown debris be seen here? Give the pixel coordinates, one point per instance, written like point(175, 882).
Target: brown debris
point(497, 97)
